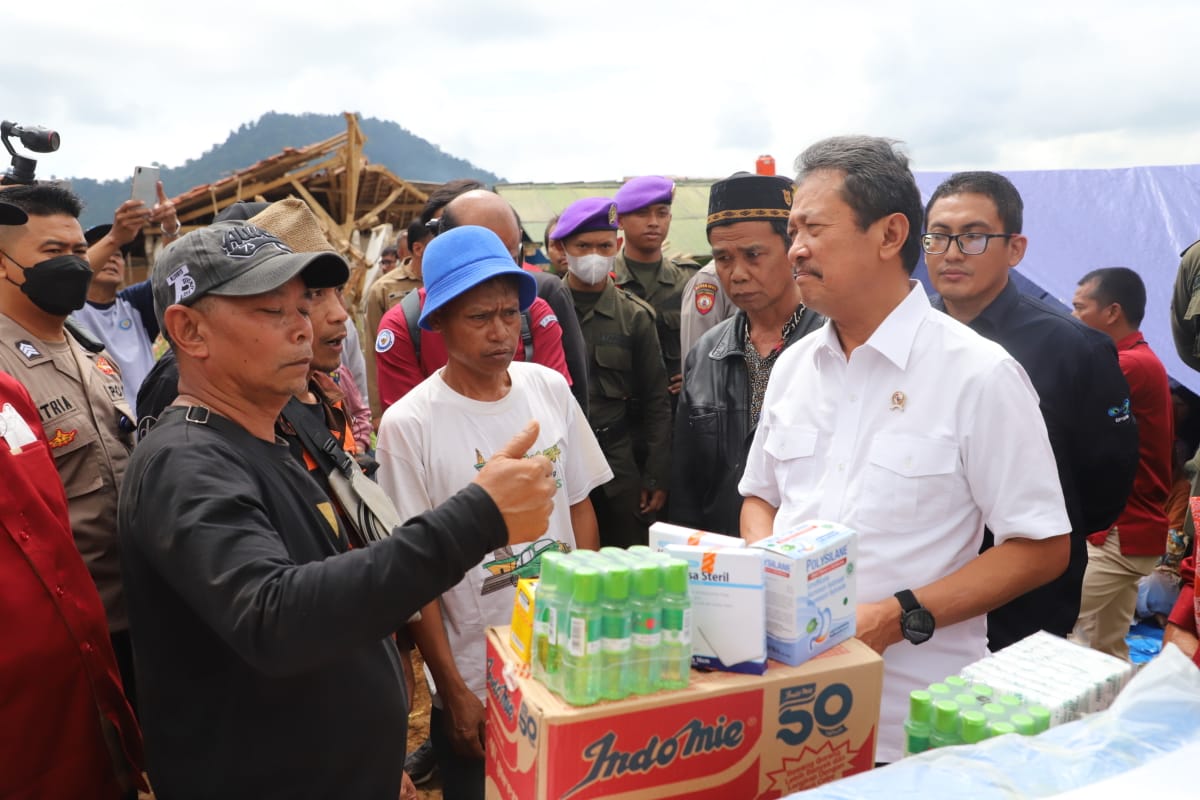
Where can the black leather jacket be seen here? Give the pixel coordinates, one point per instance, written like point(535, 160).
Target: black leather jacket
point(712, 427)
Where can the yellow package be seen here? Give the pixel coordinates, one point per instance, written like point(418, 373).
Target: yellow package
point(521, 635)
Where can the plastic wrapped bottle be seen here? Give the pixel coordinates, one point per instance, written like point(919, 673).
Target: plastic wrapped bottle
point(945, 724)
point(917, 726)
point(617, 632)
point(581, 656)
point(647, 628)
point(974, 726)
point(676, 645)
point(544, 611)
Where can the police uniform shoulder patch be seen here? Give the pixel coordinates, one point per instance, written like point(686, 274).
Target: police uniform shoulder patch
point(706, 296)
point(384, 341)
point(105, 366)
point(28, 349)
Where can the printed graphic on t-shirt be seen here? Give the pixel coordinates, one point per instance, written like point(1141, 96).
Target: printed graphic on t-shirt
point(506, 567)
point(552, 453)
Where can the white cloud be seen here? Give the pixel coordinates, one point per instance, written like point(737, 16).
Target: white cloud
point(558, 91)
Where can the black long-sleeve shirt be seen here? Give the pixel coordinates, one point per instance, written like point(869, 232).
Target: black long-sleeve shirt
point(1078, 379)
point(265, 667)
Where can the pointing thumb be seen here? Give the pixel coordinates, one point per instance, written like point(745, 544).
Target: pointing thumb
point(520, 444)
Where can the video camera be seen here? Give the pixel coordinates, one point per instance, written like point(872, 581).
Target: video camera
point(37, 139)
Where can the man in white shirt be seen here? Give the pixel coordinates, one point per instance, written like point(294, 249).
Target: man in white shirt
point(904, 425)
point(434, 439)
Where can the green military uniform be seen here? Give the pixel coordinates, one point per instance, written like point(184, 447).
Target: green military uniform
point(664, 292)
point(625, 364)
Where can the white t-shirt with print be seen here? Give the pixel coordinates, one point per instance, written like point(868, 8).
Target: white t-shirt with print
point(433, 441)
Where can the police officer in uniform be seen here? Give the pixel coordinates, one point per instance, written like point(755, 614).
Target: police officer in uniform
point(77, 389)
point(625, 365)
point(644, 215)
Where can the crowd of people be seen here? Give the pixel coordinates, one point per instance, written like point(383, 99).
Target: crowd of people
point(226, 530)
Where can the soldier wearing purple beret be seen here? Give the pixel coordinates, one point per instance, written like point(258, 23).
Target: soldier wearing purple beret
point(625, 370)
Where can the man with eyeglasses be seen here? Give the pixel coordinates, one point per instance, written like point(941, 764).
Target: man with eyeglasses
point(973, 239)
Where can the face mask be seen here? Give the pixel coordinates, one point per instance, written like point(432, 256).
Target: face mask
point(57, 285)
point(592, 268)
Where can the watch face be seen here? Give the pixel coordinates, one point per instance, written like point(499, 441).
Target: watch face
point(918, 625)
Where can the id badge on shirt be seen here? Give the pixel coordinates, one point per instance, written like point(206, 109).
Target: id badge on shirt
point(15, 432)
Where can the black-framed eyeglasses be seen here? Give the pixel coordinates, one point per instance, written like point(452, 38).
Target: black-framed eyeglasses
point(969, 244)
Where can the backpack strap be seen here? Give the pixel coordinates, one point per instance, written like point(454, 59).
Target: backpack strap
point(527, 337)
point(411, 307)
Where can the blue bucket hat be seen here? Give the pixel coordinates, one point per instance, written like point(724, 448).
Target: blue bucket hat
point(462, 258)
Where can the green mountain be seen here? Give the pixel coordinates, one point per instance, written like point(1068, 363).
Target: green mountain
point(404, 153)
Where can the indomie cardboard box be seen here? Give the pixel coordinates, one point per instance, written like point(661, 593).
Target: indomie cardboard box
point(728, 735)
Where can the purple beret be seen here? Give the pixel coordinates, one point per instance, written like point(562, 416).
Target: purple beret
point(588, 214)
point(641, 192)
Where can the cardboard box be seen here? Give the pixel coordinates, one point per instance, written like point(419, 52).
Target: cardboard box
point(729, 607)
point(811, 598)
point(727, 736)
point(664, 533)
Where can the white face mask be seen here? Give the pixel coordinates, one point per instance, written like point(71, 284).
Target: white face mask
point(592, 268)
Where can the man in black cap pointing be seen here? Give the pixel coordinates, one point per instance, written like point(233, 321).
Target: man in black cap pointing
point(726, 373)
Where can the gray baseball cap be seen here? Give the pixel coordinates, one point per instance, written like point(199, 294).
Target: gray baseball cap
point(236, 259)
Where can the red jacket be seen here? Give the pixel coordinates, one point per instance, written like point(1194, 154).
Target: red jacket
point(66, 729)
point(396, 369)
point(1142, 526)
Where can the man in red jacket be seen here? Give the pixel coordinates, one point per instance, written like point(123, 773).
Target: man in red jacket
point(66, 729)
point(1113, 301)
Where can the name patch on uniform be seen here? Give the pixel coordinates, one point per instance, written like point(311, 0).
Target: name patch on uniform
point(105, 366)
point(62, 438)
point(54, 408)
point(547, 321)
point(28, 350)
point(706, 297)
point(116, 391)
point(384, 341)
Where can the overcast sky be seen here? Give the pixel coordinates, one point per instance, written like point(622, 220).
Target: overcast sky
point(541, 91)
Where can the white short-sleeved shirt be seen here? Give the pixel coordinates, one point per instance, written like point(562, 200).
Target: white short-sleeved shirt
point(119, 326)
point(924, 435)
point(431, 444)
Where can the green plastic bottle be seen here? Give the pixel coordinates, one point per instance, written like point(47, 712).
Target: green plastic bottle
point(647, 628)
point(584, 639)
point(999, 728)
point(639, 549)
point(1011, 702)
point(1024, 724)
point(966, 701)
point(956, 683)
point(544, 600)
point(556, 619)
point(676, 667)
point(941, 691)
point(1041, 718)
point(945, 724)
point(983, 692)
point(617, 632)
point(974, 726)
point(917, 726)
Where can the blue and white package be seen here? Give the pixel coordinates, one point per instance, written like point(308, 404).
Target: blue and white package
point(811, 600)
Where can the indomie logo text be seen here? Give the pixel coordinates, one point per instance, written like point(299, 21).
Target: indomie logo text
point(693, 739)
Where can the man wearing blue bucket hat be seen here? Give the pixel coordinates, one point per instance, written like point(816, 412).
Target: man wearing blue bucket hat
point(432, 441)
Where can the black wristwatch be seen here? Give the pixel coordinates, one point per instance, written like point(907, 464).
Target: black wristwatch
point(916, 623)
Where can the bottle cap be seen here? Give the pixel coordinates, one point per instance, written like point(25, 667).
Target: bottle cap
point(549, 563)
point(966, 700)
point(982, 691)
point(645, 580)
point(955, 682)
point(920, 705)
point(995, 711)
point(675, 577)
point(616, 583)
point(974, 726)
point(999, 728)
point(1041, 718)
point(1023, 723)
point(565, 576)
point(1010, 701)
point(586, 586)
point(945, 716)
point(940, 691)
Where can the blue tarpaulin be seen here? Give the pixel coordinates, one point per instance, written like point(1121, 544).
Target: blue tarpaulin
point(1084, 219)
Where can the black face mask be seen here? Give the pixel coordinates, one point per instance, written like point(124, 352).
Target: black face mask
point(57, 285)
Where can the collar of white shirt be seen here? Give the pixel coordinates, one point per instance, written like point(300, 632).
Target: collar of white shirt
point(894, 337)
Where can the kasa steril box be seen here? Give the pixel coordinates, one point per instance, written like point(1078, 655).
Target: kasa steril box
point(727, 736)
